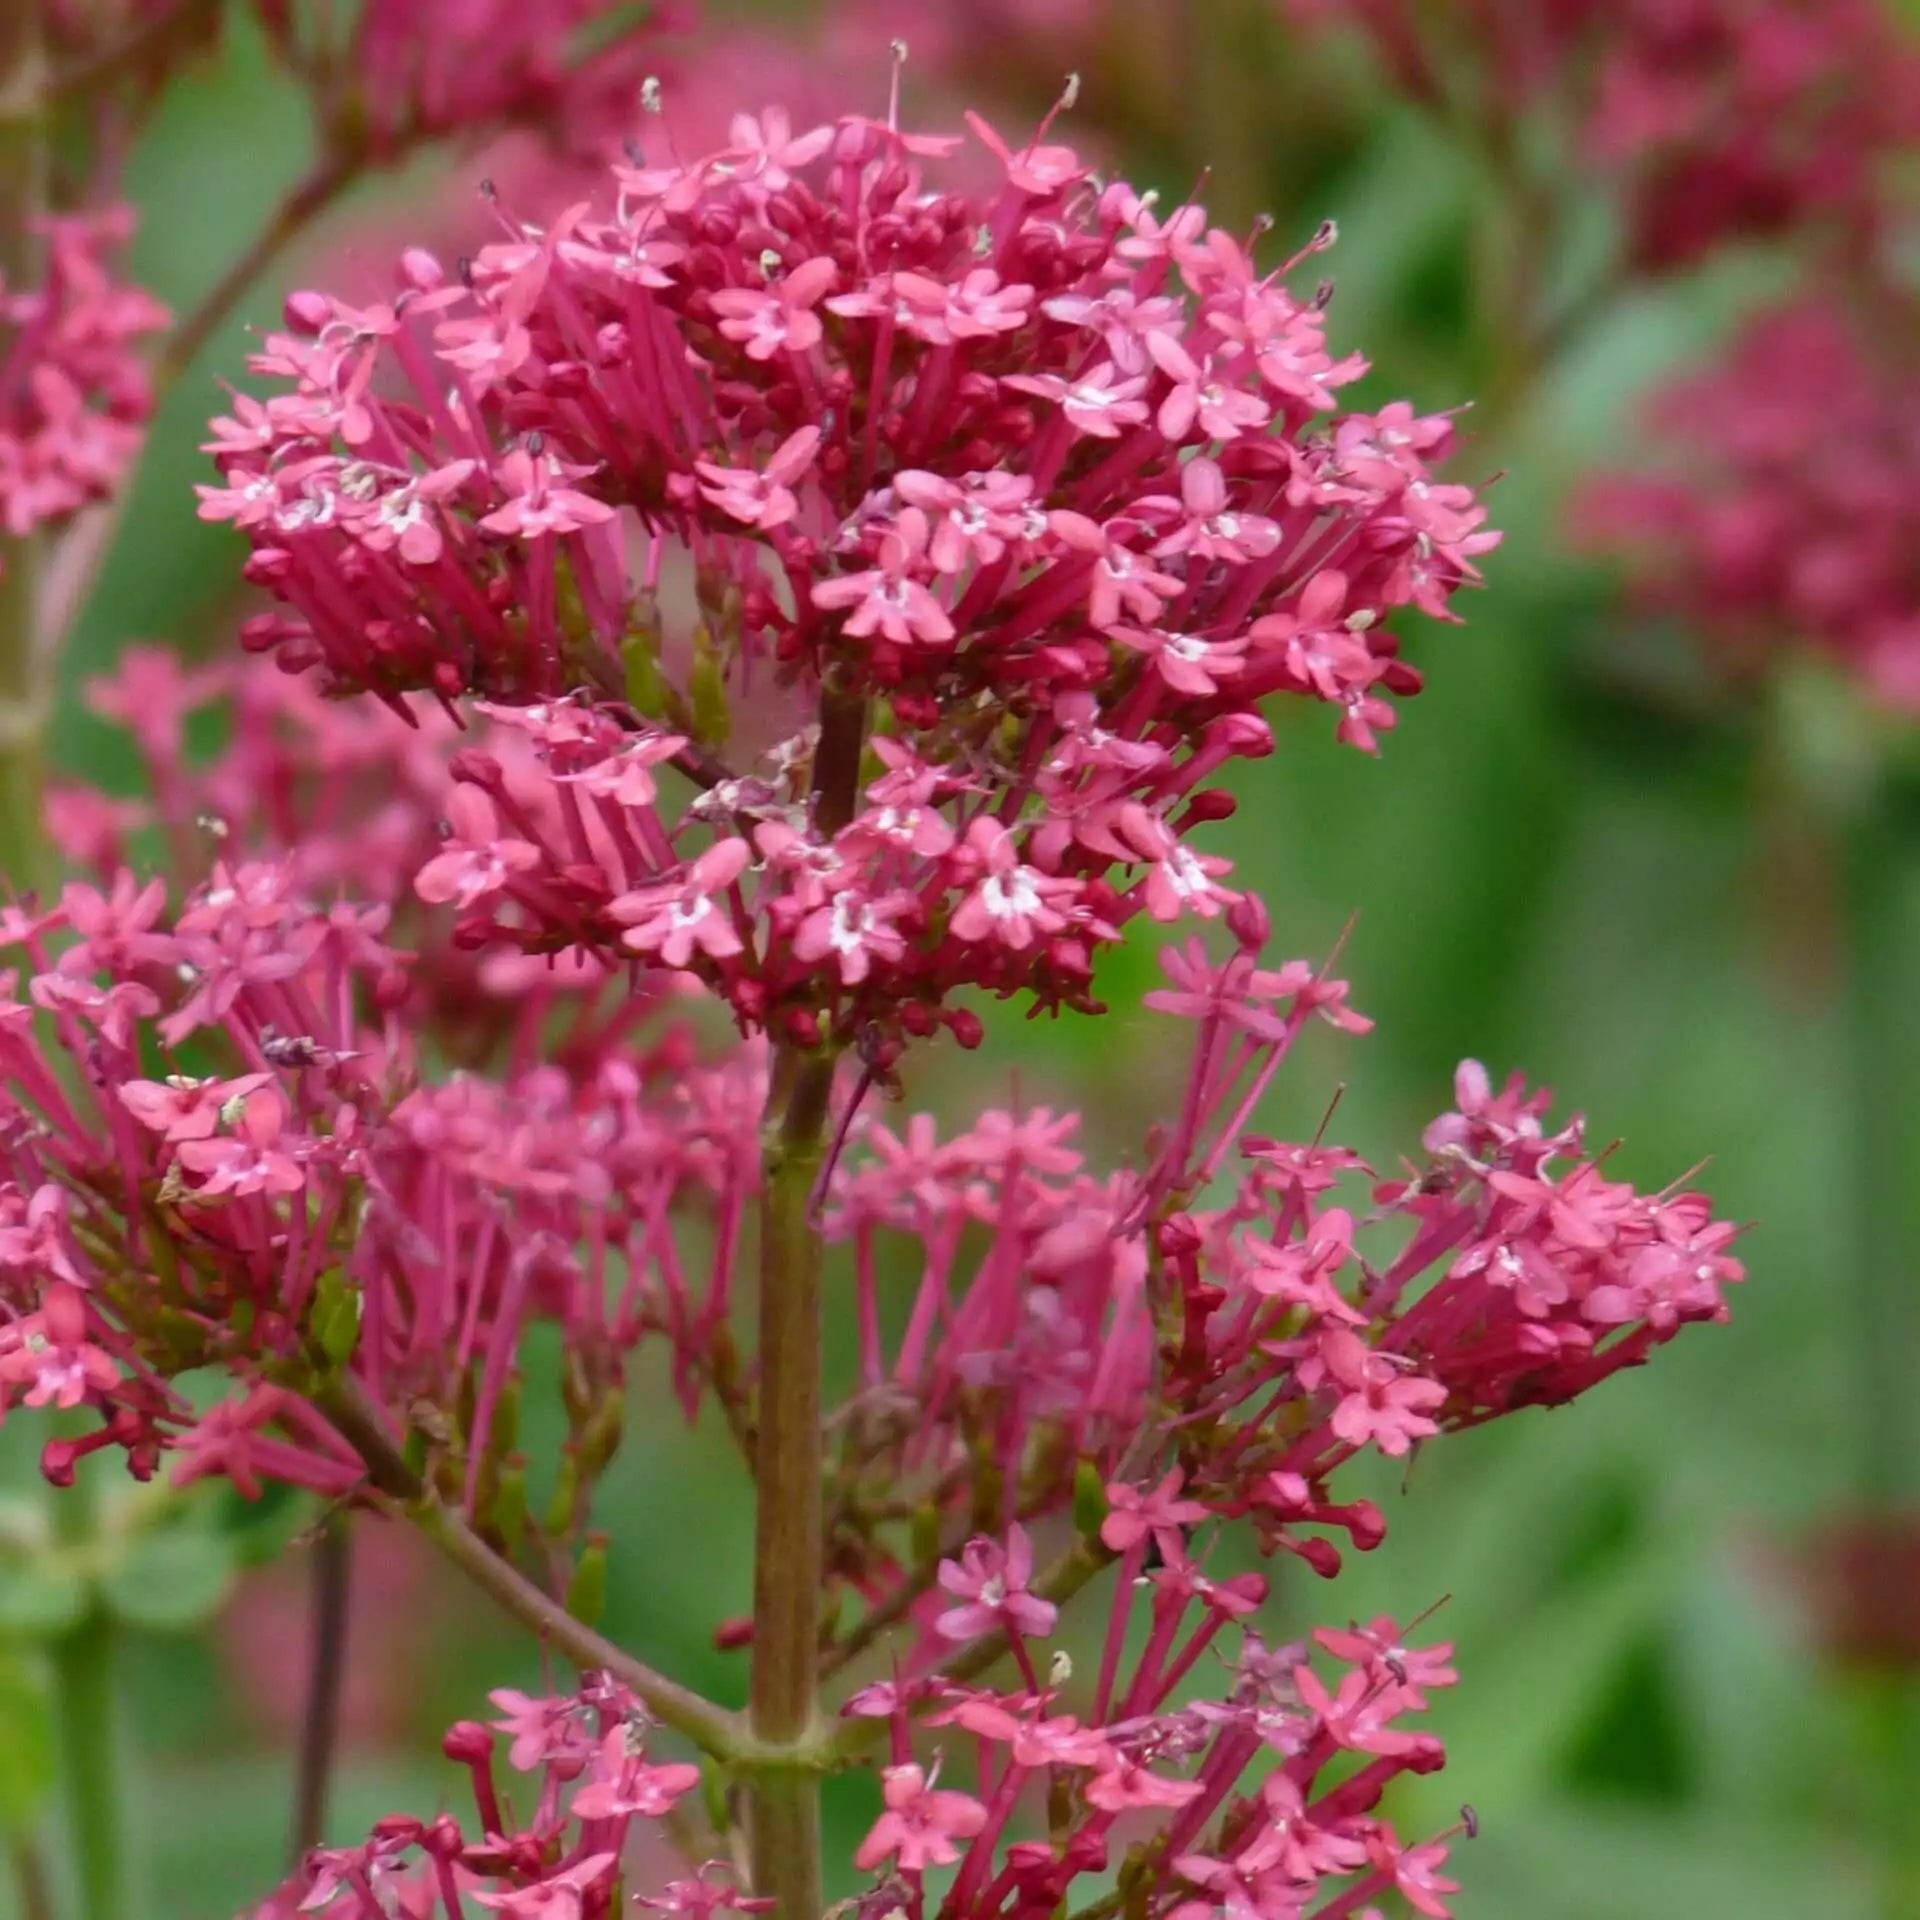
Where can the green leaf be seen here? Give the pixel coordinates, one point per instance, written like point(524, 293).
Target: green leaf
point(26, 1742)
point(171, 1579)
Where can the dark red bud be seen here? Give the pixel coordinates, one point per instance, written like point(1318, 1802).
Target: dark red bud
point(468, 1743)
point(1249, 922)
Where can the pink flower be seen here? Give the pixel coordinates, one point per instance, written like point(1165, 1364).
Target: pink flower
point(252, 1159)
point(560, 1896)
point(1123, 1786)
point(887, 599)
point(541, 1729)
point(181, 1108)
point(48, 1353)
point(762, 498)
point(1011, 903)
point(920, 1824)
point(1099, 403)
point(539, 503)
point(477, 858)
point(675, 919)
point(855, 931)
point(780, 320)
point(1416, 1872)
point(1134, 1514)
point(767, 149)
point(1381, 1403)
point(623, 1786)
point(991, 1581)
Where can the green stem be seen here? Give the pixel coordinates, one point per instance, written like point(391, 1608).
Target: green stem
point(783, 1802)
point(91, 1770)
point(711, 1728)
point(24, 692)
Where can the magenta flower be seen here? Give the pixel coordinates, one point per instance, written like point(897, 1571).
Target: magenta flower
point(76, 396)
point(991, 1583)
point(676, 918)
point(921, 1823)
point(251, 1159)
point(624, 1786)
point(857, 430)
point(560, 1896)
point(479, 859)
point(1134, 1515)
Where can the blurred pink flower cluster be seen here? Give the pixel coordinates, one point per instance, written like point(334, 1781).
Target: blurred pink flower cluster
point(1719, 119)
point(75, 393)
point(388, 75)
point(1786, 510)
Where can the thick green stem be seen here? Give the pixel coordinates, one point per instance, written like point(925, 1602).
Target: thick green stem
point(94, 1792)
point(24, 692)
point(784, 1803)
point(785, 1807)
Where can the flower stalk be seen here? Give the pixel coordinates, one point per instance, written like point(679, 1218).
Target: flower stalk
point(345, 1403)
point(326, 1682)
point(785, 1802)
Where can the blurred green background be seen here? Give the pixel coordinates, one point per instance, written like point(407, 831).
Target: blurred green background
point(1559, 863)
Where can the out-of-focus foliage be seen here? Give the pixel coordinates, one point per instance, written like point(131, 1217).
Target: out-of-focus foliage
point(1571, 857)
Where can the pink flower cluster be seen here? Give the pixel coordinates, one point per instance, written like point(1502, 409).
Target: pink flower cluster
point(1045, 490)
point(1056, 1315)
point(597, 1780)
point(1130, 1369)
point(74, 390)
point(1722, 119)
point(805, 590)
point(1786, 509)
point(390, 74)
point(309, 1168)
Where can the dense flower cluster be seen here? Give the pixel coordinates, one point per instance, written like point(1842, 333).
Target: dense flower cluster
point(310, 1167)
point(1127, 1366)
point(796, 596)
point(1722, 119)
point(1787, 511)
point(1046, 488)
point(74, 390)
point(562, 1861)
point(1328, 1713)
